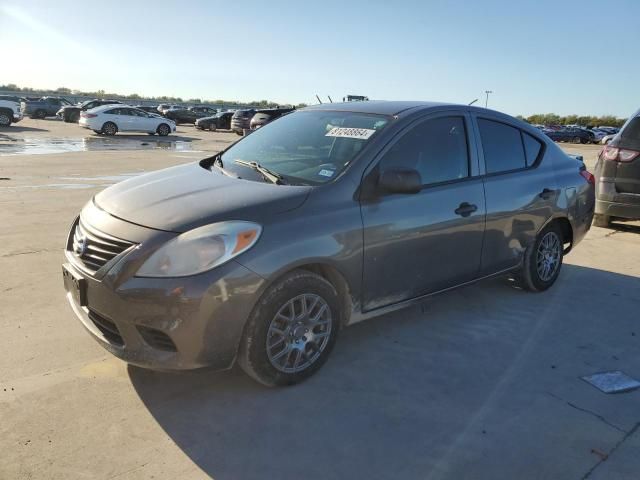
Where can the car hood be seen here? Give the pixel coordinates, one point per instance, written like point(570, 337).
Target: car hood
point(180, 198)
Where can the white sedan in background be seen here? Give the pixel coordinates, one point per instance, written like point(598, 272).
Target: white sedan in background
point(111, 119)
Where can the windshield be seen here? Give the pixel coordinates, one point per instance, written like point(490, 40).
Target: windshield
point(309, 147)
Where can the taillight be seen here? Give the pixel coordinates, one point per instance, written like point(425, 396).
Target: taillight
point(615, 154)
point(588, 176)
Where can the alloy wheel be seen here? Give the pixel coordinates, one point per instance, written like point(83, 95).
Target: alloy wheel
point(548, 256)
point(298, 333)
point(5, 121)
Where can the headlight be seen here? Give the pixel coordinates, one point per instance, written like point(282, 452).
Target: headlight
point(201, 249)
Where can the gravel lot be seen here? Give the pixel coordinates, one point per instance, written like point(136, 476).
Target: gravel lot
point(482, 382)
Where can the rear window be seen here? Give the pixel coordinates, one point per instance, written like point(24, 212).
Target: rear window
point(502, 146)
point(630, 134)
point(532, 148)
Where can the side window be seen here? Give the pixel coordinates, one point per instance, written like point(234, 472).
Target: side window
point(502, 146)
point(436, 148)
point(125, 111)
point(115, 111)
point(532, 148)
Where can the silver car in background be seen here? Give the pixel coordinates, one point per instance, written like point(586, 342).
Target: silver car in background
point(330, 215)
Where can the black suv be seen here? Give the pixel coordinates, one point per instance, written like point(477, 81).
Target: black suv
point(241, 120)
point(71, 113)
point(618, 176)
point(220, 120)
point(262, 117)
point(181, 115)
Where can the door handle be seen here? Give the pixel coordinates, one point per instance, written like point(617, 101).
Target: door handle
point(465, 209)
point(546, 194)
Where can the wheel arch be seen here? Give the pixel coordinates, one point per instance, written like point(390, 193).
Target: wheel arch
point(565, 227)
point(329, 273)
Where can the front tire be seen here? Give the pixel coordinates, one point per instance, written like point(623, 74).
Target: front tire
point(577, 140)
point(291, 331)
point(109, 129)
point(40, 114)
point(163, 130)
point(543, 260)
point(213, 127)
point(5, 119)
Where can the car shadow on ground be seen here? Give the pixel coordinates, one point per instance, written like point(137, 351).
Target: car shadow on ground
point(403, 393)
point(18, 129)
point(625, 227)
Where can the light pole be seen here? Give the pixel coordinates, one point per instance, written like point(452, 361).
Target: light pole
point(486, 100)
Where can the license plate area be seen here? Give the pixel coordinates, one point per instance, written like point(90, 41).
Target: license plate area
point(75, 284)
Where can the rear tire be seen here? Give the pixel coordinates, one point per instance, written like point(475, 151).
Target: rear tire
point(109, 128)
point(603, 221)
point(577, 140)
point(542, 260)
point(40, 114)
point(291, 331)
point(163, 130)
point(213, 127)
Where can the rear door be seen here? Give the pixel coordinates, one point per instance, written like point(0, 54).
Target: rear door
point(520, 189)
point(423, 242)
point(123, 119)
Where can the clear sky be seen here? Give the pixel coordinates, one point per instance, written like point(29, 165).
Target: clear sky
point(537, 56)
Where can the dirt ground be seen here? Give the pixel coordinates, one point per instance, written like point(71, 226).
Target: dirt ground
point(482, 382)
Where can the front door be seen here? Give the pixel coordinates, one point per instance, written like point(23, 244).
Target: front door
point(424, 242)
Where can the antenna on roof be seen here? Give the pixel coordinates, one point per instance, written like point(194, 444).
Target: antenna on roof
point(319, 101)
point(329, 97)
point(473, 101)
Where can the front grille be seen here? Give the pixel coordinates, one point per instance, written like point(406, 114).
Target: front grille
point(93, 249)
point(107, 328)
point(157, 339)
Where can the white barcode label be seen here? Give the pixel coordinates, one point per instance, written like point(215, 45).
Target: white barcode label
point(359, 133)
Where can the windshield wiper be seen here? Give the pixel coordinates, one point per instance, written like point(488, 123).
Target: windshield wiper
point(270, 175)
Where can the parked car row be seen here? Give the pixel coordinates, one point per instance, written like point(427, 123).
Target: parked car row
point(579, 134)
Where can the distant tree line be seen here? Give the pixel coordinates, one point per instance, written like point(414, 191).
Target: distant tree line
point(134, 96)
point(585, 120)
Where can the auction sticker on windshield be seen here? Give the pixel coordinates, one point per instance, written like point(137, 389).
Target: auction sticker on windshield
point(359, 133)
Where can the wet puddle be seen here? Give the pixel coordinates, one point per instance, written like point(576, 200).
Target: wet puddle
point(65, 183)
point(37, 145)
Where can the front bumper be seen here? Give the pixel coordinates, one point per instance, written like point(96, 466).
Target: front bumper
point(162, 323)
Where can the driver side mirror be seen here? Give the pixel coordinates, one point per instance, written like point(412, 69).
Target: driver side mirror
point(400, 180)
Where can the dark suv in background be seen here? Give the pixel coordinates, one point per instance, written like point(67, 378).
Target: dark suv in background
point(71, 113)
point(241, 120)
point(618, 176)
point(262, 117)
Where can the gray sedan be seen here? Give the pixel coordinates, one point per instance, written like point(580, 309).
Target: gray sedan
point(333, 214)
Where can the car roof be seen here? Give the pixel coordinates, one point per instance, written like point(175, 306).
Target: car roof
point(379, 107)
point(113, 105)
